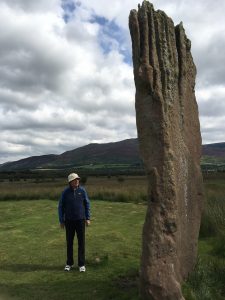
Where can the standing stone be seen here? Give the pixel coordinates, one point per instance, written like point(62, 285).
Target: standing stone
point(170, 146)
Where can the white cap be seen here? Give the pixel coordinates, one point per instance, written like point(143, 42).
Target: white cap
point(72, 177)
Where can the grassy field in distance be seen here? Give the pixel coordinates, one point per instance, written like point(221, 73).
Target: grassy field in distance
point(114, 188)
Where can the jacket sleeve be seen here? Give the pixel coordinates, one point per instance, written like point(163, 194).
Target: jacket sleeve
point(86, 205)
point(61, 210)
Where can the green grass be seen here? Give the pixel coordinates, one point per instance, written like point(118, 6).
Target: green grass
point(207, 281)
point(32, 252)
point(131, 189)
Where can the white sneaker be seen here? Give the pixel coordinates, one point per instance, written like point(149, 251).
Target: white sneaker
point(82, 269)
point(68, 268)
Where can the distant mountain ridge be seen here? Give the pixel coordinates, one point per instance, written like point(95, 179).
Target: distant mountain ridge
point(216, 150)
point(122, 152)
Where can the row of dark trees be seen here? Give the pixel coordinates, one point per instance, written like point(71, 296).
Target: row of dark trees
point(51, 175)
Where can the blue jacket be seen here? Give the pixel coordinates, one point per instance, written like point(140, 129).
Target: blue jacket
point(74, 205)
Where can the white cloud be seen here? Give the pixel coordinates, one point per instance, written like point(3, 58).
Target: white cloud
point(34, 6)
point(66, 78)
point(212, 103)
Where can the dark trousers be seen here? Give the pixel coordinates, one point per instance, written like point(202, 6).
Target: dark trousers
point(77, 227)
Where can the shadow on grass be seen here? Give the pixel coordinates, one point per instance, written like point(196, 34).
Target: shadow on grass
point(29, 268)
point(96, 263)
point(76, 286)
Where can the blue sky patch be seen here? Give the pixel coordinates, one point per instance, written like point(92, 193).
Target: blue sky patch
point(69, 7)
point(112, 37)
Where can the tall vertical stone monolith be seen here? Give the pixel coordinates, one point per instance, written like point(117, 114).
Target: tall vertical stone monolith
point(170, 146)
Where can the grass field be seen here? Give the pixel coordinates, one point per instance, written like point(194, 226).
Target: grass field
point(32, 252)
point(122, 189)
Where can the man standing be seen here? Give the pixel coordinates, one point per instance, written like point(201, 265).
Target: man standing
point(74, 213)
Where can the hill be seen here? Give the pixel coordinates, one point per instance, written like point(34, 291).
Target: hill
point(123, 152)
point(215, 150)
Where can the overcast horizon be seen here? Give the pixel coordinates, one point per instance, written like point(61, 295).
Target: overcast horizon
point(66, 75)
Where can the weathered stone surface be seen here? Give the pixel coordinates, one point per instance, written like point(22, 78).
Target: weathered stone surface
point(170, 146)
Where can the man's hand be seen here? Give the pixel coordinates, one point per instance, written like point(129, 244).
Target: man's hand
point(62, 225)
point(88, 222)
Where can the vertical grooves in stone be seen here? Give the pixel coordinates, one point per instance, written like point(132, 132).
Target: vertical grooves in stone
point(135, 37)
point(179, 52)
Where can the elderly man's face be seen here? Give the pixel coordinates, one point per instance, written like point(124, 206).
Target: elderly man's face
point(74, 183)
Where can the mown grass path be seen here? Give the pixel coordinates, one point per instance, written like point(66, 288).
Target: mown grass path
point(32, 252)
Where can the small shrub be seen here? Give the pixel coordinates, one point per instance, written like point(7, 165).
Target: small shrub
point(83, 180)
point(120, 179)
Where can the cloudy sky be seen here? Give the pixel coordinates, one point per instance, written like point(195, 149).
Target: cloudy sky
point(66, 75)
